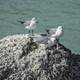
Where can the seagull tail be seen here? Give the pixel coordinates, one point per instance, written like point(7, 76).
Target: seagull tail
point(47, 30)
point(22, 22)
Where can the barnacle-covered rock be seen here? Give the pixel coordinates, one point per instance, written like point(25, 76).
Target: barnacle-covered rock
point(23, 59)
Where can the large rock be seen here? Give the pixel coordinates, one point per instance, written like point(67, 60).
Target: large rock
point(23, 59)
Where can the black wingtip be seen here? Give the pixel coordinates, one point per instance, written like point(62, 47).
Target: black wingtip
point(47, 30)
point(22, 22)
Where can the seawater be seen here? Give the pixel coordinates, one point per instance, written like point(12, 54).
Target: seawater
point(50, 13)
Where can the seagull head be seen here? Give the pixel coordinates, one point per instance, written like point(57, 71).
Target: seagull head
point(34, 19)
point(60, 28)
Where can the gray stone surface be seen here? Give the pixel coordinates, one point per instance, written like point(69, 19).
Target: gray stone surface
point(23, 59)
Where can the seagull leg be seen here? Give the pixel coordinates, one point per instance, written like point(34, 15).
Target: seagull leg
point(29, 32)
point(32, 32)
point(57, 45)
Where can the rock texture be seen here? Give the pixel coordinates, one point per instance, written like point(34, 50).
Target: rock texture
point(23, 59)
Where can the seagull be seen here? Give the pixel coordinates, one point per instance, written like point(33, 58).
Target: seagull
point(51, 40)
point(30, 24)
point(54, 38)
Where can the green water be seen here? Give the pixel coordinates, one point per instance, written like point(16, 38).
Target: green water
point(50, 13)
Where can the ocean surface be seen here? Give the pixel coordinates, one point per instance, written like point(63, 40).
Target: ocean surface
point(50, 13)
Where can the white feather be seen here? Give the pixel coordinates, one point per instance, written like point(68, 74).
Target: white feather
point(31, 24)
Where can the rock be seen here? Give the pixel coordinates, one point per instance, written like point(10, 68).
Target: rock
point(23, 59)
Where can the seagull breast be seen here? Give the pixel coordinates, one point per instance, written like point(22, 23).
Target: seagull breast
point(59, 32)
point(51, 41)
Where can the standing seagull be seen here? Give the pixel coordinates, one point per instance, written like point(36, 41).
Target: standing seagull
point(54, 38)
point(30, 25)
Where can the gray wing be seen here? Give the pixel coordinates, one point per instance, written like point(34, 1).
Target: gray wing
point(51, 30)
point(26, 23)
point(40, 39)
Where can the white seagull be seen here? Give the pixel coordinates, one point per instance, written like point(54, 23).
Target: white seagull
point(54, 38)
point(30, 25)
point(49, 40)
